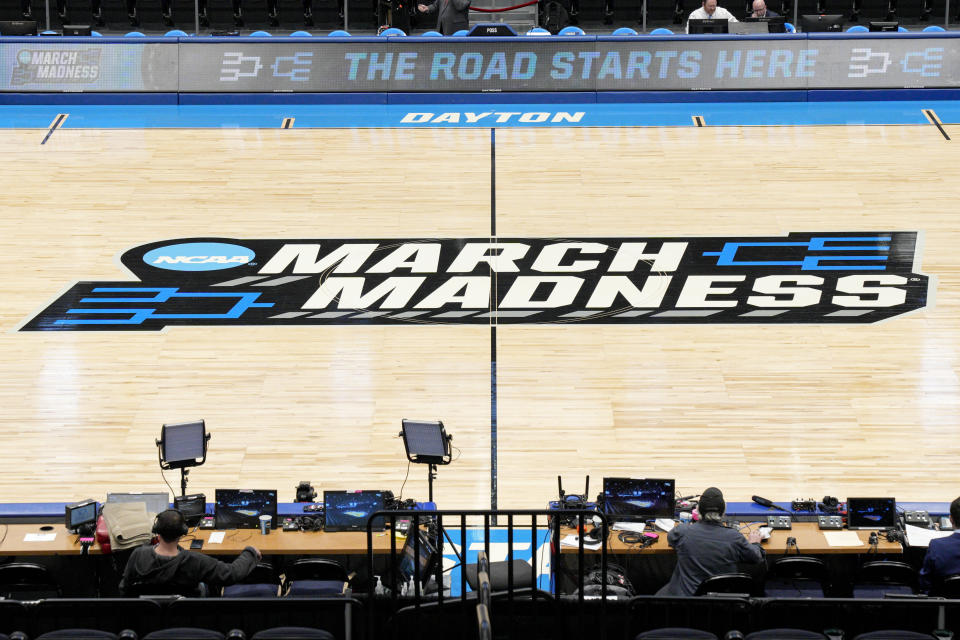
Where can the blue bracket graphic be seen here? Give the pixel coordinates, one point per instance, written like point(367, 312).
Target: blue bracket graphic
point(244, 302)
point(727, 256)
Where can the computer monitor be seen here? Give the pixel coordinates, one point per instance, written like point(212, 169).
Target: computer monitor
point(80, 514)
point(822, 22)
point(242, 508)
point(634, 499)
point(702, 26)
point(155, 502)
point(183, 444)
point(77, 30)
point(774, 24)
point(426, 559)
point(350, 510)
point(883, 25)
point(871, 513)
point(18, 27)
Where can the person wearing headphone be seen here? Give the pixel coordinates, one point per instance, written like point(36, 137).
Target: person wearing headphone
point(707, 548)
point(166, 568)
point(943, 555)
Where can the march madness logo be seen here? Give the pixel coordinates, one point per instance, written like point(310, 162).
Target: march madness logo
point(801, 278)
point(52, 65)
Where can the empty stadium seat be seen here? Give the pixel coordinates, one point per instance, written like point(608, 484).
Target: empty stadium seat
point(463, 32)
point(27, 581)
point(949, 587)
point(261, 34)
point(339, 33)
point(797, 577)
point(785, 634)
point(314, 577)
point(176, 33)
point(188, 633)
point(392, 31)
point(902, 30)
point(875, 579)
point(301, 34)
point(726, 583)
point(571, 31)
point(624, 31)
point(536, 31)
point(432, 34)
point(86, 634)
point(292, 633)
point(134, 34)
point(263, 582)
point(661, 31)
point(858, 28)
point(675, 633)
point(933, 27)
point(789, 28)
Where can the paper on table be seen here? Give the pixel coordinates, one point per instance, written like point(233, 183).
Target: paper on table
point(635, 527)
point(573, 541)
point(843, 539)
point(39, 537)
point(216, 537)
point(919, 537)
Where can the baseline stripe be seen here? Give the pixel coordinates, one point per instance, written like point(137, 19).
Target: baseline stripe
point(56, 124)
point(935, 121)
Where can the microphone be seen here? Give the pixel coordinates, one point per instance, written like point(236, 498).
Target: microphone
point(768, 503)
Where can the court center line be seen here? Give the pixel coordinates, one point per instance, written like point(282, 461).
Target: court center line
point(287, 123)
point(699, 121)
point(935, 120)
point(493, 324)
point(56, 124)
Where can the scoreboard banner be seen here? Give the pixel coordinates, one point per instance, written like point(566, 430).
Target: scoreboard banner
point(43, 64)
point(322, 65)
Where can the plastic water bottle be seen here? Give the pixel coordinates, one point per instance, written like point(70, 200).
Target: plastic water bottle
point(379, 590)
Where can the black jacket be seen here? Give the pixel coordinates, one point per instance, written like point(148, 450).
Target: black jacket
point(705, 550)
point(183, 572)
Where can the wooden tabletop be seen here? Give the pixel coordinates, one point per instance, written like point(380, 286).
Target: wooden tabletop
point(810, 541)
point(21, 540)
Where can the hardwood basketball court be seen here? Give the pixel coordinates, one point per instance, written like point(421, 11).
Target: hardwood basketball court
point(792, 410)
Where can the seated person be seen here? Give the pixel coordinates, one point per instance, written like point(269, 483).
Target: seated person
point(708, 548)
point(710, 11)
point(760, 10)
point(943, 555)
point(167, 569)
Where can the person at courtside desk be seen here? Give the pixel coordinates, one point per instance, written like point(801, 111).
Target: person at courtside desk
point(710, 11)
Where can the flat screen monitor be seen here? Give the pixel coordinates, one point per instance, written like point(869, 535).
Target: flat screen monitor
point(155, 502)
point(774, 24)
point(884, 26)
point(77, 30)
point(242, 508)
point(426, 558)
point(183, 444)
point(18, 27)
point(80, 514)
point(823, 22)
point(634, 499)
point(702, 26)
point(350, 510)
point(871, 513)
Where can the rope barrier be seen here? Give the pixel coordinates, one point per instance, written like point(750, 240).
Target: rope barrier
point(516, 6)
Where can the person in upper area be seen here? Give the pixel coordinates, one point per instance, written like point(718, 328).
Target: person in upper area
point(708, 548)
point(452, 15)
point(710, 11)
point(943, 555)
point(760, 10)
point(166, 568)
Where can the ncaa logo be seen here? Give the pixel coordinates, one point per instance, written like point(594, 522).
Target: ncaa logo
point(198, 256)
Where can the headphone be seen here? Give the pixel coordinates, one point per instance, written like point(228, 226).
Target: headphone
point(643, 539)
point(173, 531)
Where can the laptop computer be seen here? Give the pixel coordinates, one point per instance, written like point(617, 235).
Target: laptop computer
point(748, 28)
